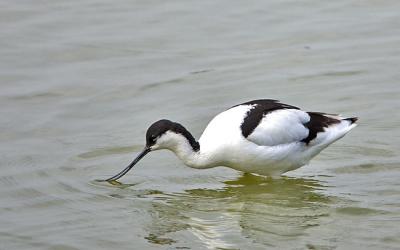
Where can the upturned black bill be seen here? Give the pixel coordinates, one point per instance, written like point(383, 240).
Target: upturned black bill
point(126, 170)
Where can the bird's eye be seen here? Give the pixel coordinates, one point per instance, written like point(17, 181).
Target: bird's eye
point(152, 137)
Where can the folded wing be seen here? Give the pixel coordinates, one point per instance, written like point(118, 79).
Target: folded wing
point(271, 123)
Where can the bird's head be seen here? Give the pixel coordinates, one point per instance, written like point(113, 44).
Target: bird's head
point(163, 134)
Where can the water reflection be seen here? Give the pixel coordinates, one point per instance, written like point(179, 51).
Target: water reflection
point(250, 209)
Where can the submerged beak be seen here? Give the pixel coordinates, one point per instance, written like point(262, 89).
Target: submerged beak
point(126, 170)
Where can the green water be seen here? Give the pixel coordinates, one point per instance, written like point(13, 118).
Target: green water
point(82, 80)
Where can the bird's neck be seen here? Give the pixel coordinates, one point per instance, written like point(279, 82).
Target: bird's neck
point(185, 146)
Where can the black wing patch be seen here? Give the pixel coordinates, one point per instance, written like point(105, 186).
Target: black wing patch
point(260, 109)
point(318, 122)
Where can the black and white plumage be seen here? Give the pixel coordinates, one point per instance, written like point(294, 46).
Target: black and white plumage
point(265, 136)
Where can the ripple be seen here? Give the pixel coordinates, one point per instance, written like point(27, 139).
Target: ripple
point(109, 151)
point(358, 211)
point(367, 168)
point(370, 151)
point(152, 238)
point(333, 74)
point(116, 184)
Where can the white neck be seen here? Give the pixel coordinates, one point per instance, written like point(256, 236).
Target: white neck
point(180, 145)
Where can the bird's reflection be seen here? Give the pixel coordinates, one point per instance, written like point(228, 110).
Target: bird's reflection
point(249, 210)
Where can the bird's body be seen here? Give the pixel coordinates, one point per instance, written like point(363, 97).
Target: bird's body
point(262, 136)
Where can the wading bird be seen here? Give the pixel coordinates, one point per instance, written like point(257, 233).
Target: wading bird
point(265, 137)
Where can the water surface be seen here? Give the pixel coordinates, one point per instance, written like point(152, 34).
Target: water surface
point(82, 80)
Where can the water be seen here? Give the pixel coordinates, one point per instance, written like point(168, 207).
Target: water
point(82, 80)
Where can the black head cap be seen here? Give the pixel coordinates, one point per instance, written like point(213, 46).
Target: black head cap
point(160, 127)
point(156, 130)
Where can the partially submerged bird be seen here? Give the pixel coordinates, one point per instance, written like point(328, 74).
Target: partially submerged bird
point(265, 137)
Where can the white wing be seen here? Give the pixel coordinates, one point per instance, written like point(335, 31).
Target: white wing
point(281, 127)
